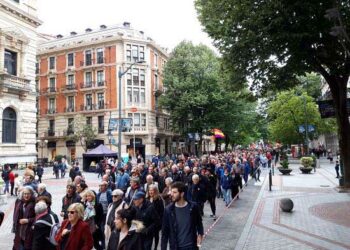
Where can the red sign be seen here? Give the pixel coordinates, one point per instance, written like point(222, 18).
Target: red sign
point(133, 110)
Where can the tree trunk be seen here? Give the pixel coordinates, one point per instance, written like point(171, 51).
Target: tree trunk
point(338, 87)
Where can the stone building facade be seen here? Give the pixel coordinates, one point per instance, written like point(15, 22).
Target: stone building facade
point(78, 84)
point(18, 44)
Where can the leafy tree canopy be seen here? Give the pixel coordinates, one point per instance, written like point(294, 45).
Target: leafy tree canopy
point(84, 133)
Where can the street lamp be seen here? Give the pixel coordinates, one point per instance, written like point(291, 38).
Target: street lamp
point(120, 75)
point(110, 138)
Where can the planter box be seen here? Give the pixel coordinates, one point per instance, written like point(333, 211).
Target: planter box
point(305, 170)
point(285, 171)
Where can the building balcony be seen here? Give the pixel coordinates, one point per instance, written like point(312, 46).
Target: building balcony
point(101, 130)
point(98, 62)
point(94, 107)
point(51, 111)
point(69, 109)
point(50, 132)
point(69, 131)
point(89, 86)
point(69, 88)
point(49, 91)
point(14, 84)
point(158, 92)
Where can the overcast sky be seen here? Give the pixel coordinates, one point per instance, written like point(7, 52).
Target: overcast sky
point(168, 22)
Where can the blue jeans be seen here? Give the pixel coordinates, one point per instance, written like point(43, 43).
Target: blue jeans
point(227, 195)
point(7, 187)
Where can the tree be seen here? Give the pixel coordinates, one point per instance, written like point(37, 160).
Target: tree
point(273, 42)
point(288, 112)
point(83, 133)
point(196, 96)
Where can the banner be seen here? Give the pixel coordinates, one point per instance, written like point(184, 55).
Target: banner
point(114, 124)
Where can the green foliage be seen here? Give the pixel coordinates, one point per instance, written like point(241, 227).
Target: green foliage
point(285, 163)
point(59, 158)
point(83, 133)
point(306, 162)
point(197, 96)
point(291, 110)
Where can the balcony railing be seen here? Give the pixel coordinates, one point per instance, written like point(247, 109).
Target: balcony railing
point(101, 130)
point(70, 131)
point(91, 62)
point(98, 106)
point(88, 85)
point(69, 87)
point(69, 109)
point(51, 111)
point(14, 83)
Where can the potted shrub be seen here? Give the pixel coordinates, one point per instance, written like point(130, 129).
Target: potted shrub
point(284, 169)
point(307, 163)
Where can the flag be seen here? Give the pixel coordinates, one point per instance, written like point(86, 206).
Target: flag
point(218, 133)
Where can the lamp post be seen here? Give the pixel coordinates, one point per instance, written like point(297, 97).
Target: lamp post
point(120, 75)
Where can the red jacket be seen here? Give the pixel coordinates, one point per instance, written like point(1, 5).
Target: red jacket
point(79, 236)
point(12, 177)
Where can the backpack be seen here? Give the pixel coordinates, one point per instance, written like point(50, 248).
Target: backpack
point(55, 227)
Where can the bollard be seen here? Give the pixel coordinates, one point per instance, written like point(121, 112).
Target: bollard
point(270, 180)
point(273, 169)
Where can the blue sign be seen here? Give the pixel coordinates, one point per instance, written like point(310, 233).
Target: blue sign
point(114, 124)
point(310, 128)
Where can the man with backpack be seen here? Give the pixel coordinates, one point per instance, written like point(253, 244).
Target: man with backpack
point(44, 229)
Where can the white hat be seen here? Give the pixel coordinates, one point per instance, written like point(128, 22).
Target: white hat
point(118, 192)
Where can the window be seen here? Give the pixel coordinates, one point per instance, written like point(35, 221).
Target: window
point(52, 62)
point(70, 59)
point(70, 126)
point(52, 84)
point(88, 79)
point(138, 119)
point(101, 126)
point(70, 80)
point(88, 58)
point(136, 92)
point(89, 121)
point(37, 68)
point(51, 131)
point(157, 121)
point(11, 62)
point(88, 102)
point(135, 53)
point(52, 105)
point(70, 103)
point(155, 59)
point(99, 55)
point(100, 100)
point(100, 78)
point(17, 1)
point(156, 82)
point(9, 126)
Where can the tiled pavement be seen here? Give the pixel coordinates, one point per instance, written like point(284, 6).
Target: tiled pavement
point(320, 218)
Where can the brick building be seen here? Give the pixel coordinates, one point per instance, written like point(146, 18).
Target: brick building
point(78, 84)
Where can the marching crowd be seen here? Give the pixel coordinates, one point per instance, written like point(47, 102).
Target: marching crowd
point(138, 205)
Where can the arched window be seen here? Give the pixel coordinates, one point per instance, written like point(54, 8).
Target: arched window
point(9, 120)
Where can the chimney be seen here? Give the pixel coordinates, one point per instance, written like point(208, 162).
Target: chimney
point(141, 32)
point(59, 36)
point(126, 24)
point(88, 30)
point(102, 27)
point(73, 33)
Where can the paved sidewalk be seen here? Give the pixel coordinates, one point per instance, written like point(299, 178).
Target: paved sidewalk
point(320, 218)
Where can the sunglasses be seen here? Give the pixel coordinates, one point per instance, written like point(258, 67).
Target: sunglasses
point(71, 212)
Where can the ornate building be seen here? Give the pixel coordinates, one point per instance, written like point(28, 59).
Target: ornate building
point(78, 83)
point(18, 43)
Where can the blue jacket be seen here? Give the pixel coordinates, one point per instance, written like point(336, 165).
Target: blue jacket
point(226, 181)
point(169, 226)
point(123, 181)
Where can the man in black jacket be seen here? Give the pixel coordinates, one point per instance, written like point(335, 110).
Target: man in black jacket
point(182, 223)
point(147, 214)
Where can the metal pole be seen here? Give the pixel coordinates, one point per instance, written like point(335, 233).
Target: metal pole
point(133, 128)
point(306, 128)
point(120, 74)
point(270, 180)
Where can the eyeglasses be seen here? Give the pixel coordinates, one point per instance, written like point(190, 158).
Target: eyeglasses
point(71, 212)
point(26, 193)
point(115, 196)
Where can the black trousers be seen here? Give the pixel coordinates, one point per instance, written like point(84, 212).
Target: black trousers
point(212, 204)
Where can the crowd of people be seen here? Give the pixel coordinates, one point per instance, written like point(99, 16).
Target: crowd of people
point(138, 205)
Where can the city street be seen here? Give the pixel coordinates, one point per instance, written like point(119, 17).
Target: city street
point(319, 220)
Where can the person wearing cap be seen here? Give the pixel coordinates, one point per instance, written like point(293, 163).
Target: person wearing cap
point(147, 214)
point(117, 204)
